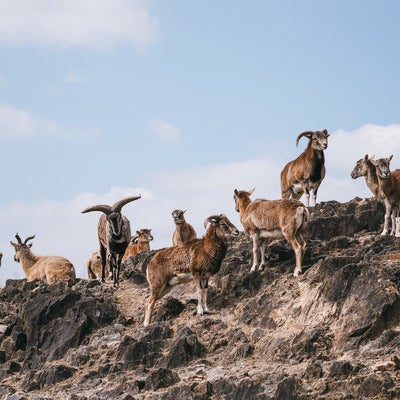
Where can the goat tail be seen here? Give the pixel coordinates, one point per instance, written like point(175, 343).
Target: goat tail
point(302, 217)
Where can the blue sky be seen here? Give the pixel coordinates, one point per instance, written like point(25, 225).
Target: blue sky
point(182, 101)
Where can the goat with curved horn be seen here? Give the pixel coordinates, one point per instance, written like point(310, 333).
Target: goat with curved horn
point(114, 234)
point(305, 173)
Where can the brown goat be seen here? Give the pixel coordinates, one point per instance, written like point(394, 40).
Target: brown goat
point(184, 232)
point(114, 235)
point(139, 243)
point(389, 185)
point(307, 171)
point(94, 266)
point(49, 269)
point(366, 168)
point(272, 219)
point(197, 260)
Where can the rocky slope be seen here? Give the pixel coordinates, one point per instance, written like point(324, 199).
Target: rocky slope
point(332, 333)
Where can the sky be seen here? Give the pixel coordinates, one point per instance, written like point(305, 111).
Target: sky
point(182, 102)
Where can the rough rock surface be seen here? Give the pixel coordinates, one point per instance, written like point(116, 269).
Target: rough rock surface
point(332, 333)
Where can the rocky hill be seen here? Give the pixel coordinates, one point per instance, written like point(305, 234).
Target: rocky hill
point(332, 333)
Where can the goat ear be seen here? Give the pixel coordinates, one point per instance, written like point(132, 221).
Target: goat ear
point(14, 245)
point(30, 245)
point(236, 192)
point(326, 132)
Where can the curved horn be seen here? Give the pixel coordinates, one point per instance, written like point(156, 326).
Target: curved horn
point(212, 219)
point(100, 207)
point(116, 207)
point(304, 133)
point(18, 238)
point(29, 238)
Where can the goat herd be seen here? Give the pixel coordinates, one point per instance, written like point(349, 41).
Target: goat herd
point(195, 259)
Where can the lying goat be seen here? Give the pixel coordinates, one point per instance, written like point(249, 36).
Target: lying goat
point(94, 266)
point(197, 260)
point(184, 232)
point(49, 269)
point(272, 219)
point(139, 243)
point(114, 234)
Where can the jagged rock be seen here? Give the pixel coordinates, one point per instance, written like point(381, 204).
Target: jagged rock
point(332, 333)
point(185, 347)
point(161, 378)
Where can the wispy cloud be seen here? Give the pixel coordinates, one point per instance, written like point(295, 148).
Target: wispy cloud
point(165, 130)
point(18, 123)
point(83, 23)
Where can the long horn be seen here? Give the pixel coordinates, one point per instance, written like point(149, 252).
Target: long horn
point(100, 207)
point(116, 207)
point(28, 238)
point(211, 219)
point(18, 238)
point(304, 133)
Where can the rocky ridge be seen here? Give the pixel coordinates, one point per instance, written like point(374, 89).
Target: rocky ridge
point(332, 333)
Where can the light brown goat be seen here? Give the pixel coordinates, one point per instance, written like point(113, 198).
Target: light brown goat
point(366, 168)
point(197, 260)
point(139, 243)
point(389, 185)
point(307, 171)
point(184, 232)
point(49, 269)
point(272, 219)
point(94, 266)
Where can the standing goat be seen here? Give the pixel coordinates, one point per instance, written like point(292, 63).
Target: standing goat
point(114, 234)
point(307, 171)
point(184, 232)
point(49, 269)
point(389, 185)
point(366, 168)
point(197, 260)
point(138, 244)
point(272, 219)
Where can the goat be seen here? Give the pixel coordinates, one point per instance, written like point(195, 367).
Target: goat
point(307, 171)
point(272, 219)
point(49, 269)
point(114, 235)
point(94, 266)
point(366, 168)
point(197, 260)
point(138, 244)
point(389, 185)
point(184, 232)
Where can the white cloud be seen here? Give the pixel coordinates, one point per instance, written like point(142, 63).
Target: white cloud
point(165, 130)
point(84, 23)
point(19, 123)
point(203, 191)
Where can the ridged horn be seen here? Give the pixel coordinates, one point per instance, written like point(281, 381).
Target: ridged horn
point(211, 219)
point(100, 207)
point(18, 238)
point(29, 238)
point(116, 207)
point(304, 133)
